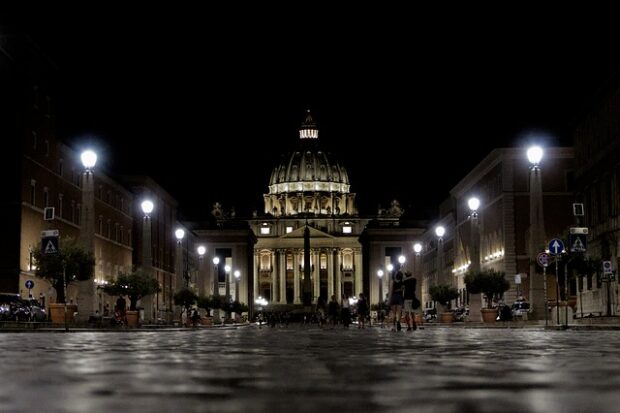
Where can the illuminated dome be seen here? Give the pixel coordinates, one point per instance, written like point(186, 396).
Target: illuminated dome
point(309, 170)
point(309, 180)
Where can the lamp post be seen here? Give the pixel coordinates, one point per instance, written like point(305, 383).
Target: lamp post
point(538, 292)
point(439, 231)
point(475, 303)
point(237, 278)
point(417, 249)
point(182, 279)
point(216, 281)
point(86, 296)
point(380, 275)
point(227, 270)
point(147, 254)
point(201, 276)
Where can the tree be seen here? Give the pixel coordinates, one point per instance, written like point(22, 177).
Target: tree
point(135, 285)
point(491, 283)
point(71, 263)
point(443, 294)
point(185, 298)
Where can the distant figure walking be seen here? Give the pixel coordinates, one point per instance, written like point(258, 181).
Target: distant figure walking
point(345, 311)
point(362, 311)
point(332, 311)
point(396, 296)
point(410, 302)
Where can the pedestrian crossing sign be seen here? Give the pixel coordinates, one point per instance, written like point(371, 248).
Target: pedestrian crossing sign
point(49, 242)
point(578, 242)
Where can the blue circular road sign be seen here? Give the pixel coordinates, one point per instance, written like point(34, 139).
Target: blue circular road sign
point(556, 246)
point(29, 284)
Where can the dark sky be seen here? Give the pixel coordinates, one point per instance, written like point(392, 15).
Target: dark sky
point(207, 110)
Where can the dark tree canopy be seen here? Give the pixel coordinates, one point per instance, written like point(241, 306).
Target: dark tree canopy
point(72, 262)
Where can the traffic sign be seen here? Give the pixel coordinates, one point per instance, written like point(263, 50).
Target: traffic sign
point(607, 268)
point(49, 242)
point(577, 242)
point(29, 284)
point(579, 230)
point(543, 259)
point(556, 246)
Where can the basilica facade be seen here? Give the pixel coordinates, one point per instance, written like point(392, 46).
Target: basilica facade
point(310, 189)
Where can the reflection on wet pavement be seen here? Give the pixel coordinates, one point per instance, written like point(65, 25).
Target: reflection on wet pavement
point(311, 370)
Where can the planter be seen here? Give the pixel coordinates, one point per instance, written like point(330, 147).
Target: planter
point(446, 317)
point(57, 312)
point(207, 321)
point(489, 315)
point(132, 318)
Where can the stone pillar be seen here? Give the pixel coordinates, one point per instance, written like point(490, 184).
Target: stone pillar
point(358, 272)
point(86, 289)
point(475, 300)
point(282, 276)
point(274, 278)
point(147, 265)
point(536, 244)
point(256, 275)
point(338, 275)
point(200, 276)
point(317, 275)
point(330, 274)
point(296, 279)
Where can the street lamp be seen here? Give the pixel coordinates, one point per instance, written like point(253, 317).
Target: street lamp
point(227, 269)
point(237, 277)
point(417, 248)
point(439, 231)
point(147, 254)
point(475, 303)
point(380, 275)
point(537, 232)
point(182, 276)
point(216, 281)
point(86, 303)
point(201, 278)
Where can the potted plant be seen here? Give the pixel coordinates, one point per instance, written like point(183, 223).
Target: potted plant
point(492, 284)
point(185, 298)
point(135, 285)
point(71, 263)
point(444, 294)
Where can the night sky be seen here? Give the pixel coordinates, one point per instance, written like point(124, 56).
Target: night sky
point(407, 121)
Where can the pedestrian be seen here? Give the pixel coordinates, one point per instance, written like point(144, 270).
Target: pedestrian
point(396, 296)
point(119, 310)
point(345, 312)
point(410, 301)
point(332, 311)
point(362, 310)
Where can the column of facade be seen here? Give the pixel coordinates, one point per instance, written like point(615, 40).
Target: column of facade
point(282, 276)
point(274, 276)
point(330, 274)
point(338, 274)
point(256, 272)
point(358, 271)
point(317, 275)
point(296, 280)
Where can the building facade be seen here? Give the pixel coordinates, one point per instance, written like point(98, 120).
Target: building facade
point(597, 176)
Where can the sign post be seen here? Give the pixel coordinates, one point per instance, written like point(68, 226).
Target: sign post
point(556, 247)
point(29, 285)
point(543, 261)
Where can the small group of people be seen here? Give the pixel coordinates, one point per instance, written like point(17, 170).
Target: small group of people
point(402, 298)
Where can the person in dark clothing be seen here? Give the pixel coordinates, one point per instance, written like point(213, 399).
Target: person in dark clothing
point(120, 313)
point(362, 310)
point(332, 310)
point(410, 301)
point(396, 296)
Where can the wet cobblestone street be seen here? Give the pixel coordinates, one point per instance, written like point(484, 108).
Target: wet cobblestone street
point(311, 370)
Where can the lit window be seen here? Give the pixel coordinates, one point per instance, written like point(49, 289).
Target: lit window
point(346, 230)
point(265, 230)
point(289, 229)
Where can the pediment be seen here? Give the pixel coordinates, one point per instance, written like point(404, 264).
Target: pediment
point(314, 233)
